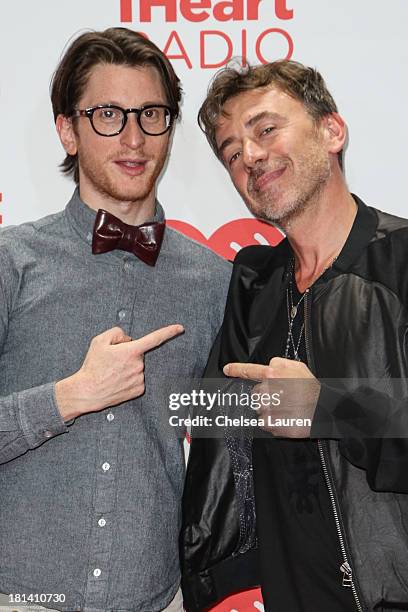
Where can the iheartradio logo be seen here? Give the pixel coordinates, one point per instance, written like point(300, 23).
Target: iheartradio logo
point(228, 239)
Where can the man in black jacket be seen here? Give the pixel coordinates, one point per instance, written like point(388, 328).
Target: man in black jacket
point(330, 302)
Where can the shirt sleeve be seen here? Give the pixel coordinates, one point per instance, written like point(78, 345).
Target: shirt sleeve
point(29, 417)
point(372, 429)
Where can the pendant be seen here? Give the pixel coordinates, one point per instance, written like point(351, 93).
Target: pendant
point(293, 312)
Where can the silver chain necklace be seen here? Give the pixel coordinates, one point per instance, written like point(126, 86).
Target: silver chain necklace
point(292, 310)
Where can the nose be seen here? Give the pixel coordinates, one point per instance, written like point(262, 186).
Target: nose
point(132, 136)
point(253, 152)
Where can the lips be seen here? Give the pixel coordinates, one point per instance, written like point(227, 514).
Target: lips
point(132, 167)
point(267, 177)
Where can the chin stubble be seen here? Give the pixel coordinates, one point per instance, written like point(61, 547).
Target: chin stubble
point(314, 171)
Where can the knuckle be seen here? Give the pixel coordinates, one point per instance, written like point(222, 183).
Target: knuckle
point(140, 378)
point(139, 366)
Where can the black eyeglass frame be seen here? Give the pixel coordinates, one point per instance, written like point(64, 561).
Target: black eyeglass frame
point(89, 112)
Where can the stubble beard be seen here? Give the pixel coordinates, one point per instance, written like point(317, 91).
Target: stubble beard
point(283, 205)
point(109, 187)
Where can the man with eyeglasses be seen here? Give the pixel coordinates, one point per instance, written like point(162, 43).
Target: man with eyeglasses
point(93, 303)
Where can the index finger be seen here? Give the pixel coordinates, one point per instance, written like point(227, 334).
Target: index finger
point(156, 338)
point(251, 371)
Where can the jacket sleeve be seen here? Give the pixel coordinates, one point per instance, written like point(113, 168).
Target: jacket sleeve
point(372, 429)
point(29, 417)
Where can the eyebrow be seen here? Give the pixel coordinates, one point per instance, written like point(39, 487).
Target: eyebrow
point(262, 115)
point(250, 123)
point(114, 103)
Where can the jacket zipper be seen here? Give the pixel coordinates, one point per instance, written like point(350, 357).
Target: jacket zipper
point(345, 567)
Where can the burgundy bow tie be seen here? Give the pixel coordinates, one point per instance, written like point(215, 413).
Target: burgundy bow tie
point(111, 233)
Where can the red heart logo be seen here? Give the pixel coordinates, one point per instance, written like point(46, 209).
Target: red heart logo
point(228, 239)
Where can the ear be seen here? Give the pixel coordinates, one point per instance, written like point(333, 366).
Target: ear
point(335, 132)
point(67, 134)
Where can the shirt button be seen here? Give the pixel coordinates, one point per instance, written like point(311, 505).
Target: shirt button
point(47, 434)
point(110, 417)
point(127, 266)
point(89, 237)
point(97, 572)
point(122, 314)
point(105, 467)
point(101, 522)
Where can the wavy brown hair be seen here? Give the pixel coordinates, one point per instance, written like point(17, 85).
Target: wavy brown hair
point(120, 46)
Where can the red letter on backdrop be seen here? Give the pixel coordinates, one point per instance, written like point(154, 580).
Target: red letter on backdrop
point(146, 9)
point(281, 11)
point(227, 58)
point(252, 9)
point(271, 31)
point(183, 55)
point(236, 12)
point(188, 6)
point(126, 11)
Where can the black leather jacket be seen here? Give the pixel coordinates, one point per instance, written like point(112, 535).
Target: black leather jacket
point(356, 322)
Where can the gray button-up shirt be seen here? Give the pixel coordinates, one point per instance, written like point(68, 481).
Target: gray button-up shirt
point(91, 509)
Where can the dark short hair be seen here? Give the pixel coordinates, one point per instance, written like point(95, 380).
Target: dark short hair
point(298, 81)
point(119, 46)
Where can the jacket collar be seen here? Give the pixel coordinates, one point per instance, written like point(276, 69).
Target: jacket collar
point(362, 232)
